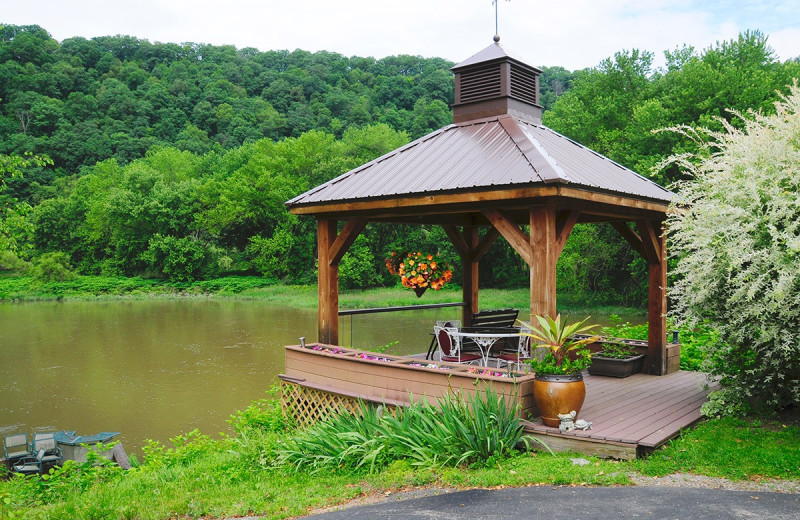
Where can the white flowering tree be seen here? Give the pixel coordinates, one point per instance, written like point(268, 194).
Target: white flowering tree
point(735, 233)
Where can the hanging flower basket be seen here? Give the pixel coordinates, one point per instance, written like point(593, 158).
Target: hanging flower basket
point(419, 271)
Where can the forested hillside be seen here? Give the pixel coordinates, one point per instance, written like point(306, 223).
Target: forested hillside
point(174, 160)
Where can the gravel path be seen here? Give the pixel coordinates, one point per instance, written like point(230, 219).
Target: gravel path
point(687, 480)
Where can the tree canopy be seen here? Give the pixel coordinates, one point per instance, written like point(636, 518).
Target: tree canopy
point(175, 159)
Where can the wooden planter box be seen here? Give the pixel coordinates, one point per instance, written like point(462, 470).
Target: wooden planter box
point(615, 367)
point(396, 380)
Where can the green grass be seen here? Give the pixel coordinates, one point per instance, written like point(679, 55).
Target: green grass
point(241, 475)
point(735, 449)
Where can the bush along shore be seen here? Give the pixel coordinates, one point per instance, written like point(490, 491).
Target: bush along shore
point(269, 468)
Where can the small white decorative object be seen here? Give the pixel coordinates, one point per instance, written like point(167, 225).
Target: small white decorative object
point(580, 424)
point(567, 421)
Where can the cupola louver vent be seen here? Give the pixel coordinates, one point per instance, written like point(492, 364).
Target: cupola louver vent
point(477, 85)
point(524, 85)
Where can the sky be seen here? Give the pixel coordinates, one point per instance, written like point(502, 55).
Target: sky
point(570, 33)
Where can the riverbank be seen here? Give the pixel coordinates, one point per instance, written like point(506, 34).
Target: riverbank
point(25, 289)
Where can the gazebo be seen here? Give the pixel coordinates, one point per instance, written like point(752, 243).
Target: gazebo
point(495, 168)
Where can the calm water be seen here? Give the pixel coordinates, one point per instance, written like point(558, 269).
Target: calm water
point(155, 369)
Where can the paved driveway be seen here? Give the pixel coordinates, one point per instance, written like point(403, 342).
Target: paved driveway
point(604, 503)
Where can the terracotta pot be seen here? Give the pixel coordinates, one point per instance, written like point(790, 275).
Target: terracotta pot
point(555, 394)
point(420, 291)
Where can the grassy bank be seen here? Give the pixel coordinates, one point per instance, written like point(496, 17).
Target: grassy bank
point(25, 289)
point(244, 474)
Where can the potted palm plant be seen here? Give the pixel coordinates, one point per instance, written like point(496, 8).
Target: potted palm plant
point(558, 385)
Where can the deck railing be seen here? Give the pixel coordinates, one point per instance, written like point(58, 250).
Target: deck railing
point(399, 308)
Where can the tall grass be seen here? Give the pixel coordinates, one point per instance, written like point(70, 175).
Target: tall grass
point(456, 431)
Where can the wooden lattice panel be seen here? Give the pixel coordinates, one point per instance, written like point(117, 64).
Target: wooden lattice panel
point(307, 405)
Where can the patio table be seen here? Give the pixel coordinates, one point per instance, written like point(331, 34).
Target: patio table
point(485, 340)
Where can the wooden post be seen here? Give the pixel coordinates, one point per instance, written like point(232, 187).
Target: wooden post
point(657, 300)
point(469, 287)
point(328, 284)
point(544, 254)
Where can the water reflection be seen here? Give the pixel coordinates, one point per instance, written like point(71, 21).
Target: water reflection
point(155, 369)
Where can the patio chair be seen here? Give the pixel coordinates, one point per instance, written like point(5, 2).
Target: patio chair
point(516, 357)
point(15, 448)
point(450, 347)
point(441, 323)
point(46, 442)
point(31, 463)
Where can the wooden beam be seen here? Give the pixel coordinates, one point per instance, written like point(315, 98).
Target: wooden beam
point(488, 198)
point(564, 226)
point(630, 236)
point(327, 284)
point(650, 240)
point(543, 261)
point(485, 243)
point(345, 239)
point(457, 240)
point(511, 232)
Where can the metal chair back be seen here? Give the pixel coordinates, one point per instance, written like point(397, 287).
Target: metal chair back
point(16, 446)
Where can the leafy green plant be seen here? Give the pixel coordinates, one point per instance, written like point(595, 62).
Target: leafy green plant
point(264, 414)
point(344, 441)
point(617, 350)
point(566, 353)
point(455, 431)
point(695, 339)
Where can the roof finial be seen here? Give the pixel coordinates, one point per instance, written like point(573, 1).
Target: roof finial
point(496, 30)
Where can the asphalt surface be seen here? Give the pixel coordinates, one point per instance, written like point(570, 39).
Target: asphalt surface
point(583, 503)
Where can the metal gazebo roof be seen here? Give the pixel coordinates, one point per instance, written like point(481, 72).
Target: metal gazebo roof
point(501, 151)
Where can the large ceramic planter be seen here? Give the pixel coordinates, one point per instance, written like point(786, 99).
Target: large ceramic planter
point(615, 367)
point(555, 394)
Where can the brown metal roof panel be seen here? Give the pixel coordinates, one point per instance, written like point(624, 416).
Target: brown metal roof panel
point(586, 167)
point(458, 157)
point(500, 151)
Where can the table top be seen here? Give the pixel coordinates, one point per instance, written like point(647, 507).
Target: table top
point(482, 334)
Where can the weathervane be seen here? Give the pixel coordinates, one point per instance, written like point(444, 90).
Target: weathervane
point(496, 30)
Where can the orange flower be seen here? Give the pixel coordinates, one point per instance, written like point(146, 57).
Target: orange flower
point(418, 270)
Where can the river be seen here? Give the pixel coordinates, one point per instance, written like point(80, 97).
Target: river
point(154, 369)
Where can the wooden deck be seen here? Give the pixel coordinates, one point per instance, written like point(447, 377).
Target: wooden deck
point(631, 416)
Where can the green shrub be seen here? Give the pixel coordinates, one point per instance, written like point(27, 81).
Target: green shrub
point(735, 237)
point(181, 259)
point(264, 414)
point(52, 267)
point(695, 339)
point(12, 263)
point(357, 268)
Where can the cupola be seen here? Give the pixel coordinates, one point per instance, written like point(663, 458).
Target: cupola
point(494, 82)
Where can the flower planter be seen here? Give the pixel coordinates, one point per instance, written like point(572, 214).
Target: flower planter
point(397, 380)
point(615, 367)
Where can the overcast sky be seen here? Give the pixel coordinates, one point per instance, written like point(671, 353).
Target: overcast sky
point(570, 33)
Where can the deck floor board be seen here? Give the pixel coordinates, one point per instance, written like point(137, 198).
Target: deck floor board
point(637, 411)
